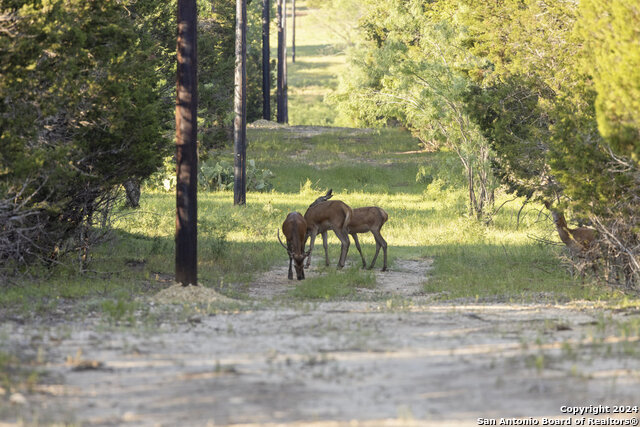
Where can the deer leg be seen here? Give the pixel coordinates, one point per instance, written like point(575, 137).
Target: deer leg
point(290, 270)
point(380, 243)
point(311, 242)
point(355, 239)
point(326, 248)
point(344, 239)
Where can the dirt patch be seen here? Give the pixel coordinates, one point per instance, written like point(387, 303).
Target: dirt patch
point(404, 278)
point(309, 131)
point(178, 294)
point(265, 124)
point(370, 362)
point(347, 363)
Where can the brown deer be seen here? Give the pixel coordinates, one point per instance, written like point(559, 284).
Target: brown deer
point(294, 228)
point(371, 219)
point(323, 215)
point(578, 239)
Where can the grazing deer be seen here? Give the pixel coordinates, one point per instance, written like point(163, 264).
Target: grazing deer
point(294, 228)
point(578, 239)
point(323, 215)
point(371, 219)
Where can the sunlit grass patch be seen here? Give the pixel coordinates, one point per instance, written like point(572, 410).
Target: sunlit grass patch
point(334, 284)
point(237, 244)
point(423, 193)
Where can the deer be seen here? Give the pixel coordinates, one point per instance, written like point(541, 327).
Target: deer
point(324, 214)
point(578, 240)
point(369, 219)
point(294, 229)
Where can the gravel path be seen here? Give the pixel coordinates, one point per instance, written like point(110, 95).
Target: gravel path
point(397, 361)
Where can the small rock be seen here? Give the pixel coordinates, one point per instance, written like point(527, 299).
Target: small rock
point(87, 365)
point(2, 391)
point(18, 399)
point(195, 319)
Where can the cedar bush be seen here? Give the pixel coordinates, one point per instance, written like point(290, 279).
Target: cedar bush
point(80, 114)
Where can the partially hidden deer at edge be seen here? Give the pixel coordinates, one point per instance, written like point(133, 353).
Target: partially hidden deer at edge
point(323, 215)
point(578, 240)
point(294, 229)
point(371, 219)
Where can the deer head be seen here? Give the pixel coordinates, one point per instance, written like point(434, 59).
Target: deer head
point(294, 229)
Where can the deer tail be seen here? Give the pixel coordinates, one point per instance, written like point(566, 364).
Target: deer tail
point(347, 220)
point(384, 214)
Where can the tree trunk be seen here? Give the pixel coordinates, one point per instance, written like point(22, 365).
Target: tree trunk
point(281, 64)
point(472, 193)
point(285, 89)
point(293, 31)
point(240, 106)
point(266, 68)
point(186, 145)
point(132, 190)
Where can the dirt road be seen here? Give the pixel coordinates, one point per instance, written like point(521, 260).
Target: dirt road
point(398, 359)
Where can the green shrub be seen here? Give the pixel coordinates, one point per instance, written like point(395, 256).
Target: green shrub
point(80, 114)
point(214, 175)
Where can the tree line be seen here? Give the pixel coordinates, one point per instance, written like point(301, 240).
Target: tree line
point(537, 96)
point(87, 105)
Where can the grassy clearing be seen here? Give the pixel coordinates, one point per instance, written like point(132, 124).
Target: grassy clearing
point(320, 58)
point(471, 260)
point(422, 192)
point(334, 284)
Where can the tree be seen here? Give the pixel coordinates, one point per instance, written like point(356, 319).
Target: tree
point(80, 114)
point(216, 81)
point(266, 69)
point(293, 30)
point(558, 105)
point(240, 107)
point(186, 144)
point(412, 67)
point(611, 57)
point(281, 92)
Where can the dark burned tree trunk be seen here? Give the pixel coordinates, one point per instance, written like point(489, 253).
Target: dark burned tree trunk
point(240, 106)
point(281, 94)
point(186, 145)
point(266, 69)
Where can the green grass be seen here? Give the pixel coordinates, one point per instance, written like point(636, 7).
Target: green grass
point(320, 59)
point(334, 284)
point(236, 244)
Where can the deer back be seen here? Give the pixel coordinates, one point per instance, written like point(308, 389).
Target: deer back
point(329, 214)
point(367, 218)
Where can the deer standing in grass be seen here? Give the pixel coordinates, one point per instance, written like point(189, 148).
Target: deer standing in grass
point(371, 219)
point(323, 215)
point(294, 228)
point(578, 239)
